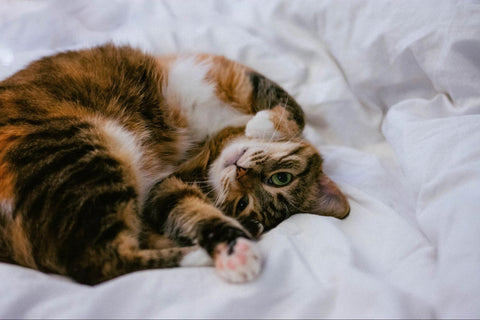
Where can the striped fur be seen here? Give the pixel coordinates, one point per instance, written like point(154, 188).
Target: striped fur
point(113, 161)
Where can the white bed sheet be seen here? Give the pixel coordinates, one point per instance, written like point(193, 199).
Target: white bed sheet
point(391, 90)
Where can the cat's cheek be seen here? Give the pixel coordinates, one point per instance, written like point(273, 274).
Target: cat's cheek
point(240, 263)
point(219, 173)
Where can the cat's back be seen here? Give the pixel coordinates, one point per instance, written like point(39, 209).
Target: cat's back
point(77, 140)
point(96, 80)
point(105, 99)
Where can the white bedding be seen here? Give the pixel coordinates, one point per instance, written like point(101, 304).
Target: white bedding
point(391, 90)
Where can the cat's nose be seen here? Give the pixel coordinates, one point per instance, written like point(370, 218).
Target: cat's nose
point(241, 172)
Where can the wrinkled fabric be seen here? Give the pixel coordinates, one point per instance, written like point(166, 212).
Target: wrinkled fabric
point(391, 93)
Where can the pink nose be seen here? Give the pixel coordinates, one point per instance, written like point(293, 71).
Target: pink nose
point(241, 172)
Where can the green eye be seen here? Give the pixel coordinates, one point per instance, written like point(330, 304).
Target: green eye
point(280, 179)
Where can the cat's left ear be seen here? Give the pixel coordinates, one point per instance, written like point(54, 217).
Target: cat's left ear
point(331, 201)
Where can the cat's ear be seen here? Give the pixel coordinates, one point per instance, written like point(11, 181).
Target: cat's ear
point(330, 200)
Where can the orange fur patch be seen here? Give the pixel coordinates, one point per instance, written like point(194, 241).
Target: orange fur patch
point(157, 241)
point(282, 122)
point(22, 248)
point(232, 83)
point(9, 136)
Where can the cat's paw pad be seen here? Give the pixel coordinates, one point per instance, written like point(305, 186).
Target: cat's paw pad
point(262, 127)
point(196, 258)
point(239, 261)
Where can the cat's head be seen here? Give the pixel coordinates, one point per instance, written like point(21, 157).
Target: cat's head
point(262, 183)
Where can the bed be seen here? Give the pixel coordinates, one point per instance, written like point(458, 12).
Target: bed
point(391, 92)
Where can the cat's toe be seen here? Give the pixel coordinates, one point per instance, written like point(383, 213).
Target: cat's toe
point(239, 261)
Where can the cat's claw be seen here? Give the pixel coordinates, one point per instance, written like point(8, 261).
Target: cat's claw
point(238, 261)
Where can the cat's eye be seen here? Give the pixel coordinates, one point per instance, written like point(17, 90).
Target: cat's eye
point(241, 204)
point(280, 179)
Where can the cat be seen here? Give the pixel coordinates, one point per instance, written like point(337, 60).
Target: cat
point(113, 160)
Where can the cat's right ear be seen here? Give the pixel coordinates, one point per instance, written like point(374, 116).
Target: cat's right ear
point(330, 200)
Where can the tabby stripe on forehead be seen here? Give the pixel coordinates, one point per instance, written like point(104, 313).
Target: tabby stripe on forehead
point(281, 163)
point(313, 162)
point(285, 164)
point(294, 152)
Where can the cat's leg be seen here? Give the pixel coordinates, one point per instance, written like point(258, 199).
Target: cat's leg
point(213, 93)
point(108, 259)
point(277, 116)
point(121, 256)
point(153, 240)
point(183, 213)
point(150, 239)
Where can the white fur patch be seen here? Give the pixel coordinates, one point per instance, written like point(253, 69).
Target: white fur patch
point(123, 142)
point(243, 264)
point(6, 207)
point(261, 127)
point(127, 147)
point(206, 114)
point(196, 258)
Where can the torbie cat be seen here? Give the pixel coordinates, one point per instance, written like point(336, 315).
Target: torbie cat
point(112, 161)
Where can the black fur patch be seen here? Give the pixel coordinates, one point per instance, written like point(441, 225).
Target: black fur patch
point(267, 95)
point(215, 231)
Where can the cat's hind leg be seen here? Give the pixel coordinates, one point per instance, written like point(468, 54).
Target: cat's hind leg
point(197, 257)
point(121, 256)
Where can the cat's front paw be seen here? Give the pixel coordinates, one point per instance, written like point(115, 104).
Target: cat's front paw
point(274, 124)
point(237, 261)
point(261, 126)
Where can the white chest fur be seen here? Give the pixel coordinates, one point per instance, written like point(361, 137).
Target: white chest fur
point(188, 88)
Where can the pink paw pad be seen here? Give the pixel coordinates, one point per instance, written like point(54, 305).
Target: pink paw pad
point(237, 263)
